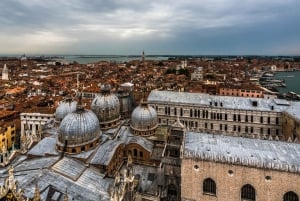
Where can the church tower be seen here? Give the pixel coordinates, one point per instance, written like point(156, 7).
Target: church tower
point(5, 73)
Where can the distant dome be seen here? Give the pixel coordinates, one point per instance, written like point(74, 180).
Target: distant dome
point(65, 107)
point(78, 131)
point(144, 120)
point(107, 108)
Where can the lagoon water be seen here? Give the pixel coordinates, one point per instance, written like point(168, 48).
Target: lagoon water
point(292, 81)
point(84, 59)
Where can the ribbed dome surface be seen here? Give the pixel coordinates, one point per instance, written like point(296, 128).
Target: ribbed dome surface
point(65, 107)
point(79, 127)
point(107, 101)
point(144, 118)
point(106, 105)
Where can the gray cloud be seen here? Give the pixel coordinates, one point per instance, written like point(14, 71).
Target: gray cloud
point(128, 26)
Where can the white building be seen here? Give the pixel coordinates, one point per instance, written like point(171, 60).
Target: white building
point(5, 73)
point(197, 74)
point(237, 116)
point(32, 121)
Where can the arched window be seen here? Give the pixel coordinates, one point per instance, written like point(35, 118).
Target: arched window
point(134, 152)
point(290, 196)
point(209, 186)
point(248, 193)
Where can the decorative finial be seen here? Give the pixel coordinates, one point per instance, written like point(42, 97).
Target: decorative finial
point(79, 106)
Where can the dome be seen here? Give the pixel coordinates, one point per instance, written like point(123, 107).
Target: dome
point(65, 107)
point(78, 131)
point(144, 120)
point(107, 108)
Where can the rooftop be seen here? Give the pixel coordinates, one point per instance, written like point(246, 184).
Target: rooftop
point(258, 153)
point(229, 102)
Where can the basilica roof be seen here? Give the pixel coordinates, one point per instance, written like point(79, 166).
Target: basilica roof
point(82, 183)
point(105, 152)
point(258, 153)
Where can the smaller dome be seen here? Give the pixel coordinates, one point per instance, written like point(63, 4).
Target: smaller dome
point(107, 108)
point(65, 107)
point(144, 119)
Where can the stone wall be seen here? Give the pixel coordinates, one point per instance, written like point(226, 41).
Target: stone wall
point(269, 185)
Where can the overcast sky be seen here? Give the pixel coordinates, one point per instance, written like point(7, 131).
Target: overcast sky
point(156, 26)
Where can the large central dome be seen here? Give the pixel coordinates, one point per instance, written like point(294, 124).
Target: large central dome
point(78, 131)
point(107, 108)
point(144, 120)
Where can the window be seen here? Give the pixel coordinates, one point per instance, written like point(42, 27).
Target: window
point(141, 154)
point(135, 152)
point(261, 120)
point(248, 193)
point(209, 186)
point(269, 120)
point(290, 196)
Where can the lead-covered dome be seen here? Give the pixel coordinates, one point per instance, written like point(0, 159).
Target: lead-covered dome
point(144, 120)
point(107, 108)
point(65, 107)
point(78, 131)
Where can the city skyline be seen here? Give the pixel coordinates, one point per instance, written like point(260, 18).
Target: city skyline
point(158, 27)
